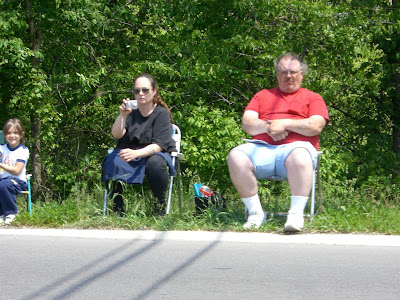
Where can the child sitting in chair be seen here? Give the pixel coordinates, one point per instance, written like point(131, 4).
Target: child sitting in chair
point(13, 158)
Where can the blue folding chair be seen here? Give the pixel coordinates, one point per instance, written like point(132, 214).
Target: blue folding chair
point(176, 136)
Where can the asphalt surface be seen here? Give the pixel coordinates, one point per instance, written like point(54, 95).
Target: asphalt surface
point(122, 264)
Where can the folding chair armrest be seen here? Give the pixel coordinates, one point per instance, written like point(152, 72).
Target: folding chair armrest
point(178, 154)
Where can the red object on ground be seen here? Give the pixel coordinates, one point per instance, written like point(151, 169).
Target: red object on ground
point(206, 191)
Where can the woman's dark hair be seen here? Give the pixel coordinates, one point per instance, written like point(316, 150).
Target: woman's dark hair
point(157, 98)
point(17, 124)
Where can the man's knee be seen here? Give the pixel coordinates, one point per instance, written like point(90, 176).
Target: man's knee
point(238, 159)
point(299, 158)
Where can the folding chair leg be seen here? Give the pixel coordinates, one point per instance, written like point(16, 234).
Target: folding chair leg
point(29, 197)
point(312, 208)
point(105, 203)
point(170, 194)
point(170, 188)
point(29, 203)
point(319, 189)
point(178, 170)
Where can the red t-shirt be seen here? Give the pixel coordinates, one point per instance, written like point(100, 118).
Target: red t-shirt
point(274, 104)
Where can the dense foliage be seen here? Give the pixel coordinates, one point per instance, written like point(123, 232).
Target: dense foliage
point(66, 65)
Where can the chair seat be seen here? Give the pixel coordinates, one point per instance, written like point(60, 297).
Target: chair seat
point(276, 178)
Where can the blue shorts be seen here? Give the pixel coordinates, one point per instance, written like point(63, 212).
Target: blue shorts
point(269, 160)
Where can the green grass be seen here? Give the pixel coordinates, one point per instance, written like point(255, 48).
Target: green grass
point(84, 210)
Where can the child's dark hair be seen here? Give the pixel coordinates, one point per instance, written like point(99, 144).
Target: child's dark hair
point(17, 124)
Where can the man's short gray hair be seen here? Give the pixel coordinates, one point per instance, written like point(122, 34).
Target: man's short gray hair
point(303, 65)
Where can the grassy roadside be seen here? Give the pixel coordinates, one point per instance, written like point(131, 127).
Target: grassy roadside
point(84, 210)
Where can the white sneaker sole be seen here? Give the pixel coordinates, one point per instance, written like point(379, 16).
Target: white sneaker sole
point(254, 226)
point(291, 228)
point(9, 219)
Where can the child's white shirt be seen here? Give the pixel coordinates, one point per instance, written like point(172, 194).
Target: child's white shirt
point(10, 156)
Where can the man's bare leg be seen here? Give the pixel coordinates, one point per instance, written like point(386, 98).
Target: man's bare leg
point(300, 176)
point(241, 171)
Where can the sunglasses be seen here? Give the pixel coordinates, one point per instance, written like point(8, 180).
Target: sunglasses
point(144, 90)
point(289, 72)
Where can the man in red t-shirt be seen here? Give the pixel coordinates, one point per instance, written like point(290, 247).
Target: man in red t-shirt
point(284, 123)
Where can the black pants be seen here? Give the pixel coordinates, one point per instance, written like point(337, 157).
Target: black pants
point(157, 178)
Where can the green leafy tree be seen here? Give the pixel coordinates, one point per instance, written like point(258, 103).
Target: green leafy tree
point(66, 65)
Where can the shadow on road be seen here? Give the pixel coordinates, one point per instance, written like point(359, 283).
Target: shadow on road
point(72, 289)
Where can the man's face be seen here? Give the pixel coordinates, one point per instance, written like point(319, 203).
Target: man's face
point(289, 75)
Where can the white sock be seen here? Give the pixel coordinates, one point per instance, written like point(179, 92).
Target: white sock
point(253, 205)
point(297, 204)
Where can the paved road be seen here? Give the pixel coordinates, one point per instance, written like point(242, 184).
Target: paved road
point(93, 264)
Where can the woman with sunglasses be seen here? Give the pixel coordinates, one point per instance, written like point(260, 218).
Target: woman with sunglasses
point(144, 145)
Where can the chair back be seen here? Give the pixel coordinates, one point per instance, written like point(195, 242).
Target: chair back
point(176, 136)
point(2, 140)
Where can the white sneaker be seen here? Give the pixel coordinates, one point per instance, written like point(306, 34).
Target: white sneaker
point(2, 217)
point(294, 222)
point(9, 219)
point(255, 221)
